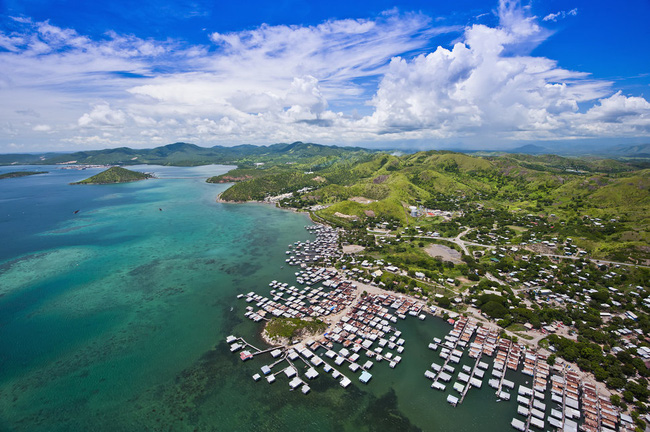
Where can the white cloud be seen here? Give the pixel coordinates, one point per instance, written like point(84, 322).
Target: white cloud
point(483, 87)
point(283, 83)
point(560, 15)
point(619, 114)
point(102, 116)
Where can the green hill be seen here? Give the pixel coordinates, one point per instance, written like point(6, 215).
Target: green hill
point(115, 175)
point(20, 174)
point(573, 193)
point(184, 154)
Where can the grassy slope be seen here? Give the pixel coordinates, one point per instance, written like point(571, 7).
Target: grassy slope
point(530, 184)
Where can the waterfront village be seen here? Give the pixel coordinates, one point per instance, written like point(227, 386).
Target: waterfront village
point(516, 301)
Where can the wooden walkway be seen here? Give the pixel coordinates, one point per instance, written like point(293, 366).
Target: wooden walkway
point(471, 375)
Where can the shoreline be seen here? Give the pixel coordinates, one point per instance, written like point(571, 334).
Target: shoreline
point(291, 209)
point(267, 340)
point(333, 320)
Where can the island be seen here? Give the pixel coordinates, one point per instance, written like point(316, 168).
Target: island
point(15, 174)
point(286, 331)
point(115, 175)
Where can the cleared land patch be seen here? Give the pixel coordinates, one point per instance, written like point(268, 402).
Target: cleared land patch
point(446, 253)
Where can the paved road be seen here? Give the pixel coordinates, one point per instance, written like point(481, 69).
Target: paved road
point(464, 243)
point(457, 240)
point(594, 260)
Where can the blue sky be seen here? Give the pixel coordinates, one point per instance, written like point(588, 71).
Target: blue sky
point(464, 74)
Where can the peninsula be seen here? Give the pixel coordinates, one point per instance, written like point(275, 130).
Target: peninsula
point(115, 175)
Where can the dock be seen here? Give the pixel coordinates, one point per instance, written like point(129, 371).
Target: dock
point(500, 363)
point(450, 344)
point(471, 378)
point(534, 407)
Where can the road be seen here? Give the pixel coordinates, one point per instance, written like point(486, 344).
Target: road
point(594, 260)
point(464, 243)
point(457, 240)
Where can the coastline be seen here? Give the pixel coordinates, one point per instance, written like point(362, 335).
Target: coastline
point(333, 320)
point(361, 287)
point(270, 342)
point(291, 209)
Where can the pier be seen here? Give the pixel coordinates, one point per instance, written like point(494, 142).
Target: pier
point(471, 378)
point(533, 406)
point(452, 351)
point(450, 344)
point(500, 363)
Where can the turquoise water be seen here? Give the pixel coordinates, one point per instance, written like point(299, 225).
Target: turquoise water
point(114, 318)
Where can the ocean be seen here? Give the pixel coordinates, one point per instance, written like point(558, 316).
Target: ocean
point(114, 318)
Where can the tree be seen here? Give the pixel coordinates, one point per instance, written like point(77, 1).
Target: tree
point(615, 382)
point(616, 400)
point(628, 396)
point(444, 302)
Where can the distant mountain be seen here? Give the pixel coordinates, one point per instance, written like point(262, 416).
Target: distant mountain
point(185, 154)
point(316, 155)
point(530, 149)
point(25, 158)
point(635, 151)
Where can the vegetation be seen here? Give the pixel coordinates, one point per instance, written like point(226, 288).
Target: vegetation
point(115, 175)
point(533, 226)
point(292, 328)
point(184, 154)
point(275, 184)
point(603, 204)
point(20, 174)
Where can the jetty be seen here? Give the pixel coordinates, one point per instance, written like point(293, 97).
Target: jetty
point(476, 350)
point(531, 400)
point(507, 358)
point(448, 350)
point(473, 381)
point(452, 351)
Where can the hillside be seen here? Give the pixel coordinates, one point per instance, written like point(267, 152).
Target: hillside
point(576, 194)
point(184, 154)
point(115, 175)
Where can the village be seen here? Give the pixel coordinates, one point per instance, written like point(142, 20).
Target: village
point(342, 287)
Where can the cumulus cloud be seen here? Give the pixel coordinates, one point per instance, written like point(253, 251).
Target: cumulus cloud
point(102, 116)
point(482, 86)
point(283, 83)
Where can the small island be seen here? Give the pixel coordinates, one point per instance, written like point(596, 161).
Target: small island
point(20, 174)
point(115, 175)
point(286, 331)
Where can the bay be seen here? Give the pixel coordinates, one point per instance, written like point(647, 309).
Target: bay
point(114, 318)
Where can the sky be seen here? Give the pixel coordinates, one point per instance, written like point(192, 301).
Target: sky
point(468, 74)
